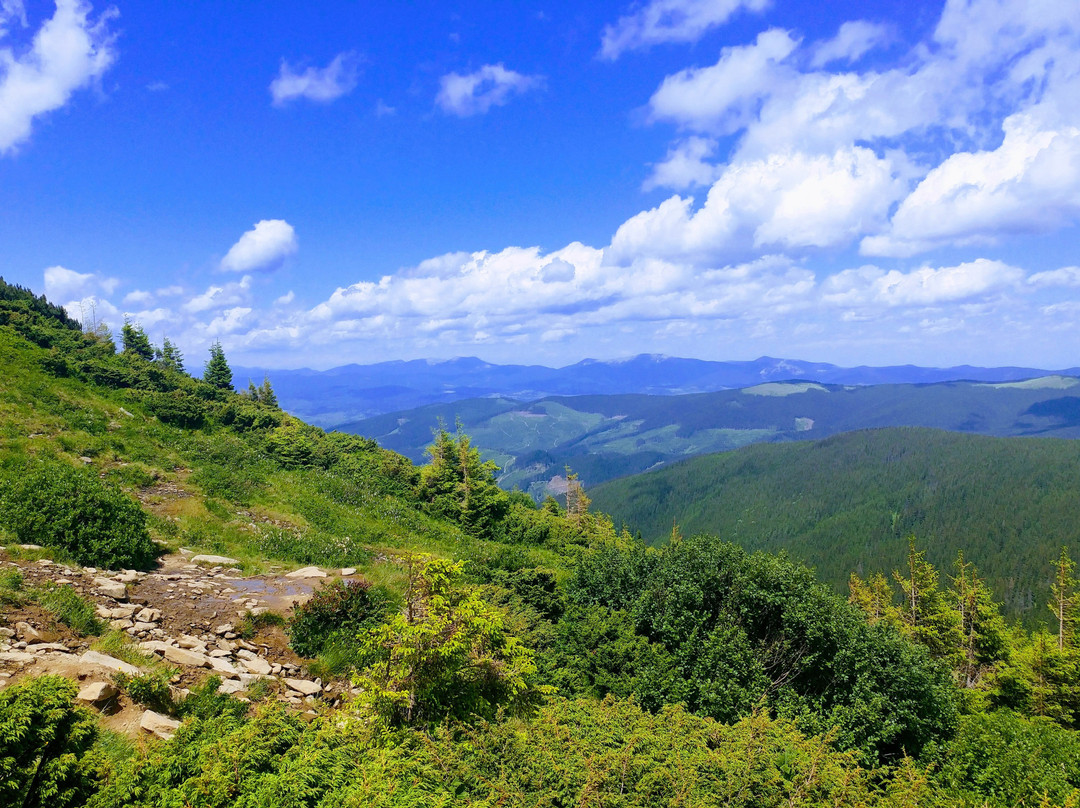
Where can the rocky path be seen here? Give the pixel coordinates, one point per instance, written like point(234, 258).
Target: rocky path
point(189, 611)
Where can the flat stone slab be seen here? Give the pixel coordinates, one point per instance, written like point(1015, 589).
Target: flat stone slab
point(224, 561)
point(97, 691)
point(17, 657)
point(112, 663)
point(306, 572)
point(182, 656)
point(303, 686)
point(110, 588)
point(256, 665)
point(47, 646)
point(157, 724)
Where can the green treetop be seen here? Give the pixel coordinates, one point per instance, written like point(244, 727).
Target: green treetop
point(217, 372)
point(136, 343)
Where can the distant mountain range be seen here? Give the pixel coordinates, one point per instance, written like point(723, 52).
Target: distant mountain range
point(352, 392)
point(602, 437)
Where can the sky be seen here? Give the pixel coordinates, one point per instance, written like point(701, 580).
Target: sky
point(316, 184)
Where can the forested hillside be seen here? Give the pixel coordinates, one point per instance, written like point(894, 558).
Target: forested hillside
point(849, 502)
point(608, 436)
point(481, 650)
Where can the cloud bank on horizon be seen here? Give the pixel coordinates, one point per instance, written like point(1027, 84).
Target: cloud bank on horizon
point(838, 198)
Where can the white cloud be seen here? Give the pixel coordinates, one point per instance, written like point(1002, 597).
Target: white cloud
point(216, 297)
point(724, 97)
point(62, 284)
point(1066, 276)
point(851, 42)
point(261, 249)
point(69, 52)
point(794, 201)
point(316, 84)
point(1030, 183)
point(12, 10)
point(286, 298)
point(669, 21)
point(685, 166)
point(921, 287)
point(479, 91)
point(138, 298)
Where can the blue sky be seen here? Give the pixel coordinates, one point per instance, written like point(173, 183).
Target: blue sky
point(323, 183)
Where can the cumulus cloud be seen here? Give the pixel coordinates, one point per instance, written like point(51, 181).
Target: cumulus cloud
point(216, 297)
point(852, 41)
point(669, 21)
point(321, 85)
point(64, 284)
point(925, 286)
point(261, 249)
point(792, 201)
point(138, 298)
point(69, 52)
point(685, 166)
point(1066, 276)
point(479, 91)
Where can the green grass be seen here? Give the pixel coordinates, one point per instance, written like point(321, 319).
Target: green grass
point(68, 607)
point(116, 644)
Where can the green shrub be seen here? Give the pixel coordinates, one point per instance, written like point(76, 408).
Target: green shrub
point(70, 509)
point(251, 623)
point(340, 610)
point(149, 689)
point(206, 701)
point(44, 741)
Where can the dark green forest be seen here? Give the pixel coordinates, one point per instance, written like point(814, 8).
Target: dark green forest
point(849, 502)
point(497, 651)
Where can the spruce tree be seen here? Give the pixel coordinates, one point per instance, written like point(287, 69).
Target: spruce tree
point(266, 393)
point(136, 343)
point(217, 372)
point(171, 357)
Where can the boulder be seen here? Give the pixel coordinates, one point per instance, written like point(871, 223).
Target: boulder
point(303, 686)
point(181, 656)
point(96, 692)
point(111, 589)
point(16, 657)
point(112, 663)
point(25, 631)
point(306, 572)
point(256, 665)
point(347, 571)
point(223, 666)
point(149, 615)
point(157, 724)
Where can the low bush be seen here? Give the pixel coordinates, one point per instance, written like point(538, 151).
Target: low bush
point(337, 611)
point(149, 689)
point(58, 506)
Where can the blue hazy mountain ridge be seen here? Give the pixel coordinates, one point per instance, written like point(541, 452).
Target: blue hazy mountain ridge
point(602, 436)
point(352, 392)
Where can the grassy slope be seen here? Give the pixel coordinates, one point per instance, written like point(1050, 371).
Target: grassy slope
point(603, 437)
point(848, 503)
point(212, 489)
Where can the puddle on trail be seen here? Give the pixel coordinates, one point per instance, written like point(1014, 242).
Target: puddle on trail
point(272, 587)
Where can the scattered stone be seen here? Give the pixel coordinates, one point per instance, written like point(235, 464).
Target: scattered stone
point(62, 582)
point(191, 643)
point(220, 665)
point(16, 657)
point(122, 612)
point(112, 589)
point(104, 612)
point(149, 615)
point(128, 576)
point(214, 559)
point(306, 572)
point(231, 687)
point(43, 562)
point(256, 665)
point(144, 627)
point(224, 628)
point(105, 661)
point(97, 692)
point(303, 686)
point(126, 413)
point(29, 546)
point(121, 625)
point(347, 571)
point(41, 647)
point(7, 632)
point(158, 724)
point(182, 656)
point(86, 459)
point(27, 632)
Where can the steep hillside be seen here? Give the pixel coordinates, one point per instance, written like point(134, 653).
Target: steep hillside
point(849, 502)
point(603, 437)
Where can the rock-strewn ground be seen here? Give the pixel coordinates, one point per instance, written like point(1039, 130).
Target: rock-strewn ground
point(188, 611)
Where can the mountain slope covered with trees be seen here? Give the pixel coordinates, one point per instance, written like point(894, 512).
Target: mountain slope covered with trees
point(493, 651)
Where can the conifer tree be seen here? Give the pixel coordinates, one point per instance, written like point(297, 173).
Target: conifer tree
point(171, 357)
point(927, 615)
point(874, 597)
point(577, 503)
point(252, 391)
point(1064, 602)
point(217, 372)
point(983, 630)
point(266, 393)
point(135, 341)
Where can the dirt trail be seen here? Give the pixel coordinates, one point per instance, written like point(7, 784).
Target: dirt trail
point(188, 610)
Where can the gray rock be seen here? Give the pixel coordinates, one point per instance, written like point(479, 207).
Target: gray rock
point(149, 615)
point(121, 612)
point(7, 632)
point(224, 628)
point(303, 686)
point(182, 656)
point(112, 589)
point(256, 665)
point(112, 663)
point(16, 657)
point(231, 686)
point(140, 627)
point(128, 576)
point(97, 692)
point(347, 571)
point(41, 647)
point(220, 665)
point(306, 572)
point(154, 646)
point(158, 724)
point(25, 631)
